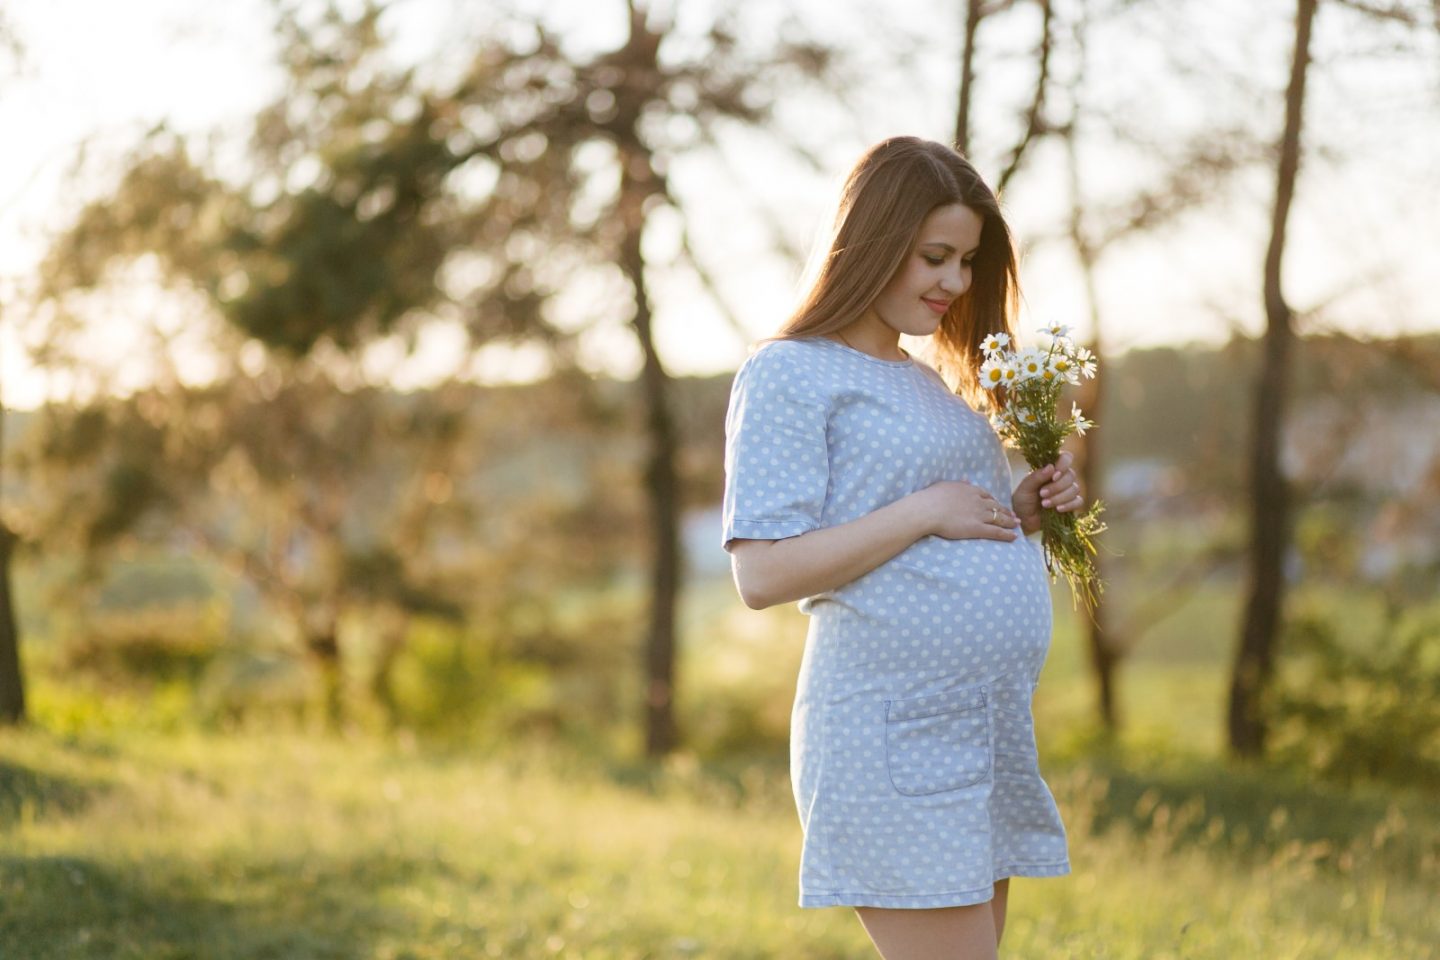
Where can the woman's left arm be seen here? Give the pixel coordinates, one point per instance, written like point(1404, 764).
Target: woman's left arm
point(1052, 486)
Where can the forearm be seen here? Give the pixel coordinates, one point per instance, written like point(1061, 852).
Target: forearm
point(781, 571)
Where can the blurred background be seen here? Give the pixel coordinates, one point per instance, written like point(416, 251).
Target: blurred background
point(364, 369)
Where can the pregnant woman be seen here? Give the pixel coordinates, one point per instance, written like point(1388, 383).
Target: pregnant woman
point(869, 486)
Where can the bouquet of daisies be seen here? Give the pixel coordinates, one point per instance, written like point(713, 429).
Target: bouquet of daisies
point(1028, 421)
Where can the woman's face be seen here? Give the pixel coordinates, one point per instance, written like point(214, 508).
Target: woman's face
point(934, 273)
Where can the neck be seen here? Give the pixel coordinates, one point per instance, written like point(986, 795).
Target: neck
point(877, 344)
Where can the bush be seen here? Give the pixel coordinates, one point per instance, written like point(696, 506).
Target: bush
point(1351, 711)
point(145, 647)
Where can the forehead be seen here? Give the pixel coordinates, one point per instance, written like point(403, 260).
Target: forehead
point(953, 224)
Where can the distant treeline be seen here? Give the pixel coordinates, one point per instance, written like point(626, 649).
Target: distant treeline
point(1185, 405)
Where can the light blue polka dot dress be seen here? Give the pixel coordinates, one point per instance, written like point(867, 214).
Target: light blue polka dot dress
point(912, 746)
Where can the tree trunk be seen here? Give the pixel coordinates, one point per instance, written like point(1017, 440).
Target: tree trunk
point(322, 645)
point(1103, 649)
point(12, 681)
point(660, 480)
point(974, 12)
point(1104, 656)
point(1269, 513)
point(393, 626)
point(638, 184)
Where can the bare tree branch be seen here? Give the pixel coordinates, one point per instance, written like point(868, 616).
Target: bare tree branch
point(974, 13)
point(1034, 124)
point(1394, 12)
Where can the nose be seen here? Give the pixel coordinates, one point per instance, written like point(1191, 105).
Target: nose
point(955, 281)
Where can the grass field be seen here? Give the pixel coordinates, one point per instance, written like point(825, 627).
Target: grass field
point(281, 846)
point(126, 833)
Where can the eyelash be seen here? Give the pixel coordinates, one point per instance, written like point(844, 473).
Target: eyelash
point(936, 262)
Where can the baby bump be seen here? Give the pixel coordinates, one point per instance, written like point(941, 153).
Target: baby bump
point(986, 602)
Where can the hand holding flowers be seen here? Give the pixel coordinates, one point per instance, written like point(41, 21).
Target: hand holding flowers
point(1026, 386)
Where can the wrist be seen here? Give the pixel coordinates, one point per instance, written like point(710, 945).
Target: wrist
point(914, 516)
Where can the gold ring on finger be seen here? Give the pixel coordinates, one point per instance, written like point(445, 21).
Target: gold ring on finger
point(994, 512)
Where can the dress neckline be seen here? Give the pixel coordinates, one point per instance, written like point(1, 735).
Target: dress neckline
point(909, 360)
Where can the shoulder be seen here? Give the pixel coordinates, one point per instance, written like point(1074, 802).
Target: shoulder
point(931, 372)
point(784, 353)
point(796, 361)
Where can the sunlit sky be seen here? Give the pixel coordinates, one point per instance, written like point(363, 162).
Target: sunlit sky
point(1364, 238)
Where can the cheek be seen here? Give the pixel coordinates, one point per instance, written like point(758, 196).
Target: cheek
point(917, 278)
point(902, 285)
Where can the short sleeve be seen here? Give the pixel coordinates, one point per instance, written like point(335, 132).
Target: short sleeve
point(777, 462)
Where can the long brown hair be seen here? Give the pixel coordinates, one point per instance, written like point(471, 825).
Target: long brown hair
point(890, 190)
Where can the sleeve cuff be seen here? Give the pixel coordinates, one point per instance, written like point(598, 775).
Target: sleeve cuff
point(764, 530)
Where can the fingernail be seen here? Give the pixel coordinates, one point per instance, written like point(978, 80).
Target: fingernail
point(1044, 503)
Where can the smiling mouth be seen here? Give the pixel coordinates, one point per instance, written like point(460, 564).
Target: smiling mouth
point(939, 306)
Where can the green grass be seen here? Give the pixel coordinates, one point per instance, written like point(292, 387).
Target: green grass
point(125, 832)
point(188, 845)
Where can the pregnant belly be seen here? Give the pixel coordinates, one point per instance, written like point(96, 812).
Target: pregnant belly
point(1013, 569)
point(939, 609)
point(989, 592)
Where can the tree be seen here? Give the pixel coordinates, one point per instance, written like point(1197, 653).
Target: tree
point(1269, 499)
point(380, 202)
point(1271, 503)
point(12, 680)
point(326, 502)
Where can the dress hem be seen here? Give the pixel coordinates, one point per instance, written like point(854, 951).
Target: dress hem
point(956, 898)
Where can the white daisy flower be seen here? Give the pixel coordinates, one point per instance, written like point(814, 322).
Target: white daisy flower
point(1081, 424)
point(995, 342)
point(1065, 368)
point(1026, 416)
point(1031, 364)
point(992, 372)
point(1011, 374)
point(1085, 361)
point(1056, 330)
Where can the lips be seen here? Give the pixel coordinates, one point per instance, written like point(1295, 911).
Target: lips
point(939, 306)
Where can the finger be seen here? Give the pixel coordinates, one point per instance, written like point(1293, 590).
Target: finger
point(1059, 483)
point(1064, 496)
point(997, 513)
point(1065, 476)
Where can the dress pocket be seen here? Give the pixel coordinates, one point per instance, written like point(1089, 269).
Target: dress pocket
point(937, 742)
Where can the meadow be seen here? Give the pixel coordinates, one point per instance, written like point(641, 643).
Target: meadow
point(126, 832)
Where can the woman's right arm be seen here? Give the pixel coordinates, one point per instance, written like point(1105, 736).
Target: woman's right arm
point(768, 572)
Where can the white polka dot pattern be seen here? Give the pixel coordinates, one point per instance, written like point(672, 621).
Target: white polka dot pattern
point(912, 747)
point(937, 742)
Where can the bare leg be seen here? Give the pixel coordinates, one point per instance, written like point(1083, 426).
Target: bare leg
point(998, 904)
point(942, 933)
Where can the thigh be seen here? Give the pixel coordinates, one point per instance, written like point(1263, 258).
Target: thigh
point(942, 933)
point(997, 907)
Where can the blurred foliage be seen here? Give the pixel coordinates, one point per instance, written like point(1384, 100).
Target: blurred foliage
point(148, 646)
point(1353, 708)
point(517, 502)
point(378, 196)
